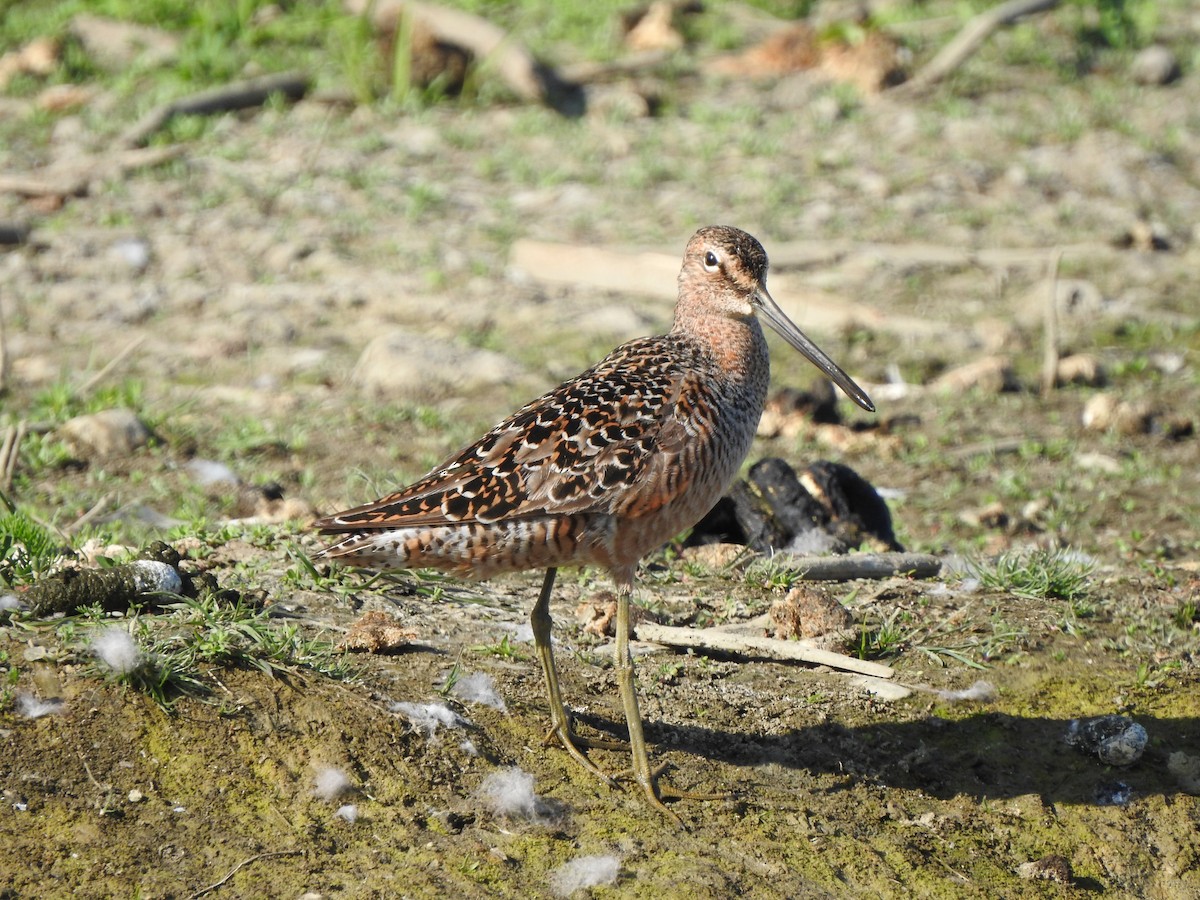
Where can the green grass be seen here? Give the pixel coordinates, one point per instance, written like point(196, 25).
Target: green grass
point(27, 548)
point(1038, 575)
point(189, 640)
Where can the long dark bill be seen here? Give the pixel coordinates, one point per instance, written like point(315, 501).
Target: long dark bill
point(787, 330)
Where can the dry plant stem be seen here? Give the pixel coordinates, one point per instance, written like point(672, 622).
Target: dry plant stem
point(77, 180)
point(971, 38)
point(101, 505)
point(762, 647)
point(11, 452)
point(4, 364)
point(86, 388)
point(239, 95)
point(1050, 346)
point(242, 865)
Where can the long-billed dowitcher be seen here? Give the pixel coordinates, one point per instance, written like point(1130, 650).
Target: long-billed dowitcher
point(605, 468)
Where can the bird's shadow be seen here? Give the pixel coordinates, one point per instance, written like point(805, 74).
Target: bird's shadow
point(988, 755)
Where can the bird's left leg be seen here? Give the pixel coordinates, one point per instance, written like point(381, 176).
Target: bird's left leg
point(560, 721)
point(645, 774)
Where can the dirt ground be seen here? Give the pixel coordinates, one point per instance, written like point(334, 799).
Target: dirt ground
point(280, 243)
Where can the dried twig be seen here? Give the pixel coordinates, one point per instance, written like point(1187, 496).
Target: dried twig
point(228, 98)
point(242, 865)
point(861, 565)
point(99, 507)
point(4, 363)
point(86, 388)
point(10, 453)
point(752, 645)
point(1050, 339)
point(76, 180)
point(970, 39)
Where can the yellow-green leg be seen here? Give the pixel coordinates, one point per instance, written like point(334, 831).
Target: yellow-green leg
point(560, 722)
point(645, 775)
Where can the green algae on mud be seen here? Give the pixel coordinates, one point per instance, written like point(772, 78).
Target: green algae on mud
point(115, 797)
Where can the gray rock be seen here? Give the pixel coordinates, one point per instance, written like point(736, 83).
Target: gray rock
point(1155, 65)
point(416, 368)
point(110, 432)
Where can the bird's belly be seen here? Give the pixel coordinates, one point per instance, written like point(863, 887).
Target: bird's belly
point(479, 550)
point(635, 536)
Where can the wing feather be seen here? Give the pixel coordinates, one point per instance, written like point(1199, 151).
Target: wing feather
point(602, 442)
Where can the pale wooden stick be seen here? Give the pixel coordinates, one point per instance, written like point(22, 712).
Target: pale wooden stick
point(86, 388)
point(1050, 339)
point(4, 363)
point(12, 452)
point(750, 645)
point(971, 38)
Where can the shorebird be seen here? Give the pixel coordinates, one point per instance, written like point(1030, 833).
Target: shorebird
point(603, 469)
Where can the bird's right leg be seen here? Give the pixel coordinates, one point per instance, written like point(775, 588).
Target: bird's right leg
point(560, 721)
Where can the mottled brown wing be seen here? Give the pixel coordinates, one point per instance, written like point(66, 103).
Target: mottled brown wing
point(596, 443)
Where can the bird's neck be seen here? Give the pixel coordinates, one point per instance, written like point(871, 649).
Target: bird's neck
point(737, 346)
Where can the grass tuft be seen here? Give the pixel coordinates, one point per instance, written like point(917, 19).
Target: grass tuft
point(1038, 575)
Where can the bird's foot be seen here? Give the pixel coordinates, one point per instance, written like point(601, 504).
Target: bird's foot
point(572, 742)
point(656, 792)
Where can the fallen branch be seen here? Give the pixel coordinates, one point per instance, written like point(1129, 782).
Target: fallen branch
point(828, 253)
point(970, 39)
point(40, 186)
point(487, 43)
point(654, 274)
point(861, 565)
point(590, 72)
point(76, 180)
point(229, 98)
point(751, 645)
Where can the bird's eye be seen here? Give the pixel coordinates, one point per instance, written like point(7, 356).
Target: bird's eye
point(711, 263)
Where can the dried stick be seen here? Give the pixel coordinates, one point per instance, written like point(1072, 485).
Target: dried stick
point(971, 38)
point(751, 645)
point(1050, 338)
point(4, 364)
point(88, 516)
point(231, 97)
point(242, 865)
point(76, 181)
point(86, 388)
point(861, 565)
point(10, 453)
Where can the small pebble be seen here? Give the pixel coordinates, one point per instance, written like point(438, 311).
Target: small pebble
point(1155, 65)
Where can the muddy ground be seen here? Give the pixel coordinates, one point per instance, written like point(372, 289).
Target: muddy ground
point(281, 242)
